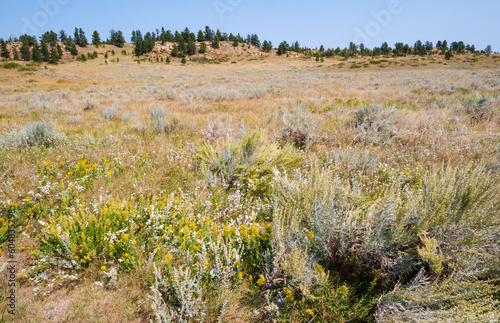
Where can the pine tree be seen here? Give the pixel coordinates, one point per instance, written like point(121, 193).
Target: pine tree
point(200, 37)
point(4, 51)
point(385, 48)
point(120, 39)
point(25, 51)
point(209, 34)
point(321, 48)
point(448, 55)
point(203, 48)
point(54, 54)
point(62, 36)
point(283, 48)
point(45, 52)
point(168, 60)
point(116, 38)
point(192, 37)
point(296, 47)
point(185, 34)
point(182, 46)
point(191, 48)
point(36, 55)
point(398, 49)
point(267, 46)
point(73, 50)
point(59, 51)
point(183, 60)
point(215, 43)
point(15, 53)
point(175, 51)
point(96, 39)
point(83, 39)
point(77, 37)
point(488, 49)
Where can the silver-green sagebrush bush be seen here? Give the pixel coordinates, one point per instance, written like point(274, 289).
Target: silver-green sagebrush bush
point(158, 120)
point(482, 107)
point(109, 113)
point(445, 227)
point(448, 301)
point(38, 133)
point(373, 124)
point(249, 161)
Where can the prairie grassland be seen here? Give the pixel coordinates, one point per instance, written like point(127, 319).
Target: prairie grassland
point(252, 188)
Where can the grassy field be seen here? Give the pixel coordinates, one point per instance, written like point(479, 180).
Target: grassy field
point(251, 188)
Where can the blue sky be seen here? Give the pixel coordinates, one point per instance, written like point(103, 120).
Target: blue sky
point(312, 23)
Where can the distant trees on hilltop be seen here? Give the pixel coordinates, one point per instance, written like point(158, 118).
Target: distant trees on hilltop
point(185, 41)
point(49, 49)
point(185, 44)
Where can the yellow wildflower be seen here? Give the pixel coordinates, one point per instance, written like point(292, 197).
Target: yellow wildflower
point(169, 257)
point(343, 290)
point(310, 312)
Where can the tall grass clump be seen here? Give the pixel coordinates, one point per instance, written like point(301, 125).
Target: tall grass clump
point(250, 161)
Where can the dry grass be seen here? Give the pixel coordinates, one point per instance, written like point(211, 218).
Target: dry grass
point(423, 110)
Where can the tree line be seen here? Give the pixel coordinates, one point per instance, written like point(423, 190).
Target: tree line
point(48, 49)
point(399, 49)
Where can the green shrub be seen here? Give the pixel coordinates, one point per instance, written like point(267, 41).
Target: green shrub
point(447, 301)
point(447, 225)
point(372, 124)
point(298, 127)
point(480, 108)
point(158, 120)
point(10, 65)
point(249, 162)
point(38, 133)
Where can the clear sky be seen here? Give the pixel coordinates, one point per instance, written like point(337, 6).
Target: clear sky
point(331, 23)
